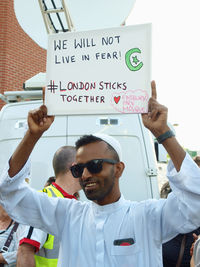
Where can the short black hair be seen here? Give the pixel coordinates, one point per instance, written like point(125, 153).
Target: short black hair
point(63, 159)
point(50, 180)
point(165, 190)
point(88, 139)
point(197, 159)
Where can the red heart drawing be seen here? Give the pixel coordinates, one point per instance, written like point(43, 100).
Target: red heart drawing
point(116, 99)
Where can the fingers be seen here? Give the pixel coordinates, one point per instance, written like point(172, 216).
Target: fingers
point(42, 114)
point(44, 110)
point(39, 121)
point(43, 94)
point(154, 114)
point(155, 110)
point(39, 115)
point(152, 101)
point(145, 119)
point(153, 90)
point(195, 237)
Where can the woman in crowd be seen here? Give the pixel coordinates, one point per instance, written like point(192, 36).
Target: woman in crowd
point(8, 249)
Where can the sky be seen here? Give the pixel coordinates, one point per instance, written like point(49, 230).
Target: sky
point(175, 61)
point(175, 57)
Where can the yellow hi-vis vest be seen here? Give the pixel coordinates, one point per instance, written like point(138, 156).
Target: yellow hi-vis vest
point(47, 256)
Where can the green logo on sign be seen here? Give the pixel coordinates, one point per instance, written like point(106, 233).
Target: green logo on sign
point(132, 62)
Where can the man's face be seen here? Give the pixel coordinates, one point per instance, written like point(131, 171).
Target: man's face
point(102, 187)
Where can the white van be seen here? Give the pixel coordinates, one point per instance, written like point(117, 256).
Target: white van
point(139, 180)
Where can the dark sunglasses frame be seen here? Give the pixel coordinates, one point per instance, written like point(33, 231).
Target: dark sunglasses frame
point(93, 166)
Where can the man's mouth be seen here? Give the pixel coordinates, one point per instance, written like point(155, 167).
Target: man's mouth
point(90, 186)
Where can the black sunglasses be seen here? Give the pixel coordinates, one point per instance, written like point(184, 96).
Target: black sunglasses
point(93, 166)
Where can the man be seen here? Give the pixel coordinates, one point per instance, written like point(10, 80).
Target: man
point(36, 247)
point(107, 231)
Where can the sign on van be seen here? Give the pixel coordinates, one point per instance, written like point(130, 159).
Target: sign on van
point(99, 72)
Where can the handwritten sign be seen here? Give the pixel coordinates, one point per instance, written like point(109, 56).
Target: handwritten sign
point(99, 72)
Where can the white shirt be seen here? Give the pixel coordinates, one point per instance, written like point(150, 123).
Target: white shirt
point(87, 231)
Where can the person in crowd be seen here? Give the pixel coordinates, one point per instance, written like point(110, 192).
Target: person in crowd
point(197, 160)
point(107, 231)
point(165, 190)
point(38, 248)
point(9, 239)
point(195, 253)
point(176, 252)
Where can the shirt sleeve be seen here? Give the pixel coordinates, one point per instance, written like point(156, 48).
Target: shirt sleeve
point(33, 236)
point(10, 257)
point(185, 197)
point(27, 206)
point(179, 213)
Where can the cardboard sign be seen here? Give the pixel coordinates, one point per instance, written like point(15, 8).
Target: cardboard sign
point(99, 72)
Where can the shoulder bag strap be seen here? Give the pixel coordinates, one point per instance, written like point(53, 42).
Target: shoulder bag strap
point(182, 249)
point(10, 238)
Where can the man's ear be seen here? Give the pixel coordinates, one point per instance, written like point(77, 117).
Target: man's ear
point(119, 168)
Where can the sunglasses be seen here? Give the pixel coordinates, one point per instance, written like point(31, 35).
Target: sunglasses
point(93, 166)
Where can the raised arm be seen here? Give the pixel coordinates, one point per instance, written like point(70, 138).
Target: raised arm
point(38, 123)
point(156, 122)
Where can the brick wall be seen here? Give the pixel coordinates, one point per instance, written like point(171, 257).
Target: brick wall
point(20, 57)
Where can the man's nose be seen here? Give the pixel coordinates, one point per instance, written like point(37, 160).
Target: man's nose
point(86, 174)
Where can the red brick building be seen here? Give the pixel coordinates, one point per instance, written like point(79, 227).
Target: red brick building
point(20, 57)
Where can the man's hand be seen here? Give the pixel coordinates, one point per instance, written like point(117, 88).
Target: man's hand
point(156, 118)
point(156, 122)
point(38, 121)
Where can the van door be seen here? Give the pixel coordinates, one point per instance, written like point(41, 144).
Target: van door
point(13, 125)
